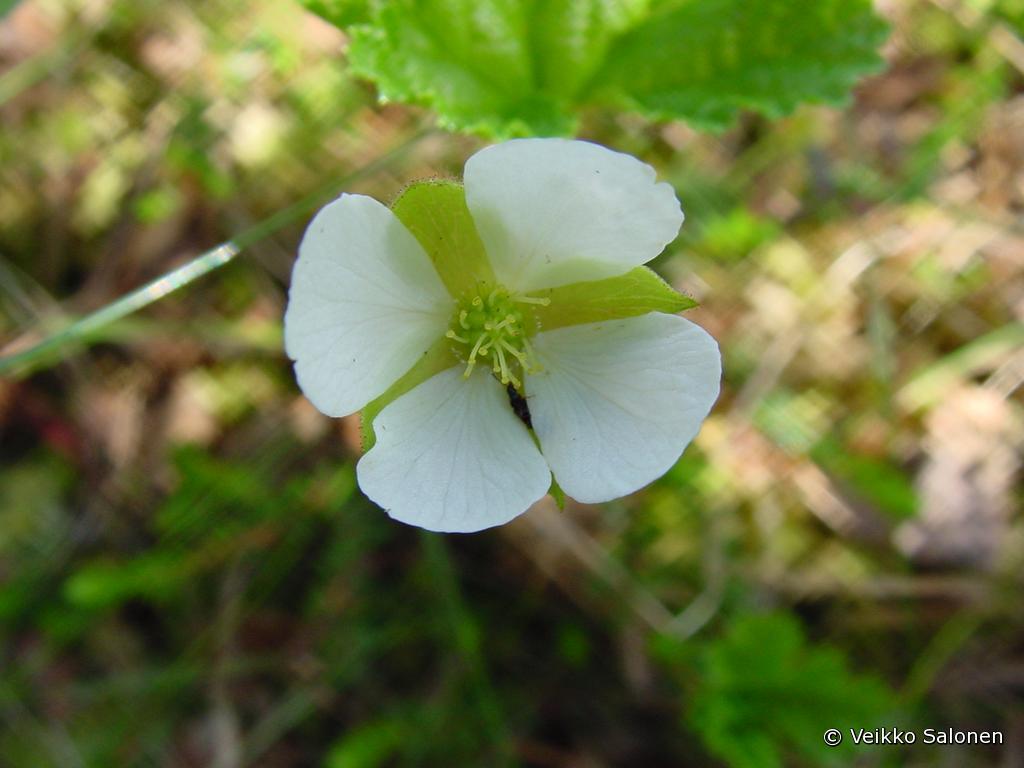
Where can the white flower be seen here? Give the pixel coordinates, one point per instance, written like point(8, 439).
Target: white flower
point(612, 403)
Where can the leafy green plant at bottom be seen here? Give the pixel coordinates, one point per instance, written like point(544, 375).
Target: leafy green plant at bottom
point(764, 695)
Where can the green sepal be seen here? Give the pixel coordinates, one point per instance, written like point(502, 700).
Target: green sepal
point(435, 212)
point(439, 357)
point(637, 292)
point(556, 492)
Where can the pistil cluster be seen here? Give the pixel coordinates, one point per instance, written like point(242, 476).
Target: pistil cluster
point(493, 326)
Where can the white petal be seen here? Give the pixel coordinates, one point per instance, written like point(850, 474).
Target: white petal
point(365, 302)
point(619, 401)
point(556, 211)
point(451, 456)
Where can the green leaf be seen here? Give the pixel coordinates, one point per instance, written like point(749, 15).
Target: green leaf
point(705, 60)
point(733, 235)
point(341, 13)
point(468, 59)
point(765, 693)
point(368, 746)
point(871, 478)
point(570, 39)
point(637, 292)
point(439, 357)
point(104, 583)
point(436, 214)
point(497, 67)
point(525, 67)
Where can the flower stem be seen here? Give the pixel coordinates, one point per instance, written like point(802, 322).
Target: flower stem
point(45, 352)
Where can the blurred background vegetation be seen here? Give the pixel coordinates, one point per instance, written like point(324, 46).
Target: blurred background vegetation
point(189, 575)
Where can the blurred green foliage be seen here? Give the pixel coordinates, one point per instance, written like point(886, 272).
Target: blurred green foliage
point(761, 692)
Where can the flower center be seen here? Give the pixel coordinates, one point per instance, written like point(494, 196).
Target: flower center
point(493, 325)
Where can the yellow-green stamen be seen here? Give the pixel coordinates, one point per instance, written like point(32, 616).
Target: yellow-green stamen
point(496, 323)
